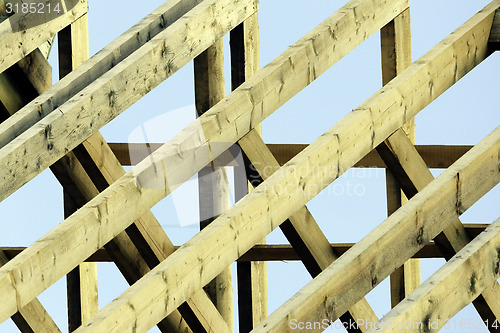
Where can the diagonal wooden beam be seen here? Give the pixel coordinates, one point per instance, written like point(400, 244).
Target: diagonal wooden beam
point(213, 182)
point(303, 232)
point(105, 98)
point(433, 304)
point(390, 244)
point(22, 33)
point(81, 188)
point(33, 317)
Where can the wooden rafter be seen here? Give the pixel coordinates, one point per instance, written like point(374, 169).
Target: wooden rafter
point(469, 273)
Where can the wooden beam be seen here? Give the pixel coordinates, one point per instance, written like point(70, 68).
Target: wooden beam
point(213, 182)
point(411, 172)
point(33, 317)
point(396, 57)
point(22, 33)
point(390, 244)
point(104, 99)
point(125, 190)
point(76, 182)
point(433, 304)
point(244, 43)
point(435, 156)
point(303, 232)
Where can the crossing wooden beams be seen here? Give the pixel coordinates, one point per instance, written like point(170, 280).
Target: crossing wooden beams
point(149, 65)
point(32, 317)
point(411, 172)
point(432, 305)
point(244, 41)
point(213, 182)
point(168, 283)
point(124, 208)
point(22, 33)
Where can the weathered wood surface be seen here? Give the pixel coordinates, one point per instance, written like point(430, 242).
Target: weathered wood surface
point(435, 156)
point(22, 33)
point(213, 182)
point(111, 94)
point(82, 187)
point(433, 304)
point(244, 41)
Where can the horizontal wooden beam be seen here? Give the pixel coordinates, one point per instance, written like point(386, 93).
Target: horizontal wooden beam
point(22, 33)
point(280, 252)
point(435, 156)
point(433, 304)
point(391, 243)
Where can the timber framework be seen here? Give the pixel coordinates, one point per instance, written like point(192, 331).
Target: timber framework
point(189, 288)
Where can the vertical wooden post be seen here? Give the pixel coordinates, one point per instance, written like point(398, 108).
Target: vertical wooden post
point(213, 180)
point(252, 276)
point(73, 47)
point(396, 57)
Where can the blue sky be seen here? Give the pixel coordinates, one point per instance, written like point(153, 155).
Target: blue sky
point(463, 115)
